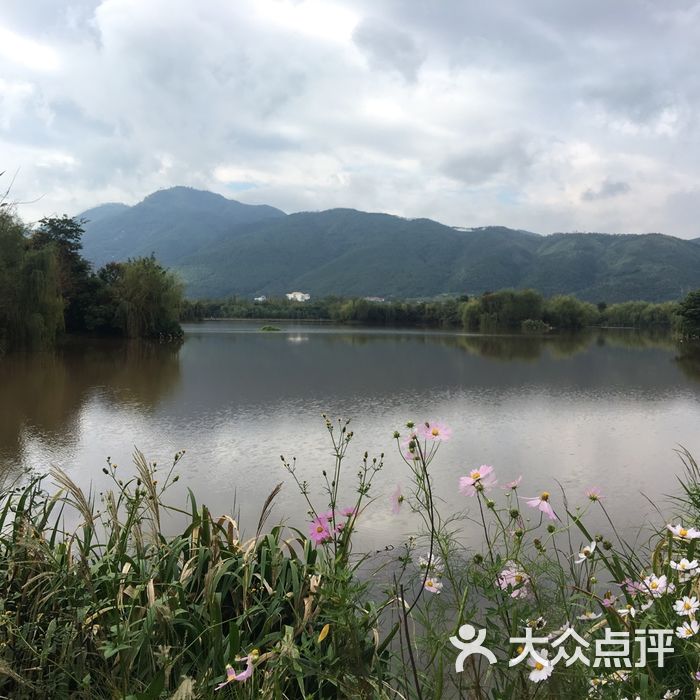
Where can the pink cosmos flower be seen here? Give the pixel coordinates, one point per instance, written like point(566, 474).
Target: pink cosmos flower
point(541, 502)
point(594, 494)
point(433, 585)
point(632, 587)
point(409, 455)
point(231, 675)
point(348, 511)
point(609, 600)
point(319, 530)
point(479, 479)
point(396, 500)
point(514, 578)
point(435, 431)
point(511, 485)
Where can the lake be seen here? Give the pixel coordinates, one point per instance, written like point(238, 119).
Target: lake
point(605, 408)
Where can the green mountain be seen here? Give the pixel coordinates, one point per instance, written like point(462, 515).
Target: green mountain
point(221, 247)
point(171, 223)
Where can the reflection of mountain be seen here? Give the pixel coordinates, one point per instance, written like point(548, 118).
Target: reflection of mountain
point(44, 392)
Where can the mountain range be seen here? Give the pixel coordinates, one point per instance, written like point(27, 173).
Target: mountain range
point(221, 247)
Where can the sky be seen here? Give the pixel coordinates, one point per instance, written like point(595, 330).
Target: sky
point(545, 115)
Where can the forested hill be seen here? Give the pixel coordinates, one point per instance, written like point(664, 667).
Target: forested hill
point(221, 247)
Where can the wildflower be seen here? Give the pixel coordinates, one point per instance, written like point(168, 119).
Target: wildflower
point(348, 511)
point(512, 577)
point(319, 530)
point(657, 585)
point(542, 504)
point(632, 587)
point(396, 500)
point(479, 479)
point(628, 610)
point(688, 629)
point(686, 605)
point(686, 569)
point(540, 671)
point(408, 448)
point(696, 676)
point(669, 694)
point(684, 533)
point(512, 485)
point(586, 553)
point(609, 600)
point(244, 675)
point(433, 564)
point(435, 431)
point(589, 615)
point(536, 623)
point(594, 494)
point(433, 585)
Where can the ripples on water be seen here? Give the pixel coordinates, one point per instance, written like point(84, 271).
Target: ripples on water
point(602, 408)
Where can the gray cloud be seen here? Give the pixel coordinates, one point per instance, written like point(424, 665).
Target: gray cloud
point(470, 113)
point(386, 47)
point(607, 190)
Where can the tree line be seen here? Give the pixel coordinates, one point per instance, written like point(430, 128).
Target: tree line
point(47, 288)
point(507, 309)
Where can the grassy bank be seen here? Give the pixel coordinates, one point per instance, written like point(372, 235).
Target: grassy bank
point(114, 607)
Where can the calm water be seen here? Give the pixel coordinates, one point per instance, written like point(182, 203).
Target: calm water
point(603, 409)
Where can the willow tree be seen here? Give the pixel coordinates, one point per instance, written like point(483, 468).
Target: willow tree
point(148, 299)
point(31, 308)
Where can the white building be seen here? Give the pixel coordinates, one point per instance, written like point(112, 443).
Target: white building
point(298, 296)
point(262, 298)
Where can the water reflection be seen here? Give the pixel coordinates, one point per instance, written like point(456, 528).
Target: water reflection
point(43, 394)
point(601, 407)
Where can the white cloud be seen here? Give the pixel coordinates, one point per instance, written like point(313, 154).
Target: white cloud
point(471, 113)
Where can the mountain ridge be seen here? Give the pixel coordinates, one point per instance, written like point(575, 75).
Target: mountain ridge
point(221, 247)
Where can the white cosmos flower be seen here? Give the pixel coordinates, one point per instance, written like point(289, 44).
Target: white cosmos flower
point(589, 615)
point(686, 569)
point(688, 629)
point(684, 565)
point(540, 671)
point(684, 533)
point(671, 694)
point(686, 605)
point(586, 553)
point(627, 610)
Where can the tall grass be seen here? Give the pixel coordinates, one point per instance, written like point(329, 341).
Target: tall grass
point(96, 601)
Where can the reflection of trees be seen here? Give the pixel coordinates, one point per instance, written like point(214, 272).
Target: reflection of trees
point(515, 346)
point(45, 392)
point(688, 359)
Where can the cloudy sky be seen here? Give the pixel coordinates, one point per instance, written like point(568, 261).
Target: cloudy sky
point(549, 115)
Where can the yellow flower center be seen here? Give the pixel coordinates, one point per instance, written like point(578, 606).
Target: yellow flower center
point(520, 649)
point(539, 666)
point(429, 583)
point(434, 432)
point(683, 532)
point(687, 606)
point(518, 578)
point(681, 566)
point(476, 474)
point(320, 529)
point(654, 585)
point(544, 496)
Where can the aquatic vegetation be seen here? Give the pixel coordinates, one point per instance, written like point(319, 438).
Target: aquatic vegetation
point(97, 600)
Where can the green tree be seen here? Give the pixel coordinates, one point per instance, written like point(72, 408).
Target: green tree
point(64, 235)
point(689, 311)
point(31, 308)
point(148, 299)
